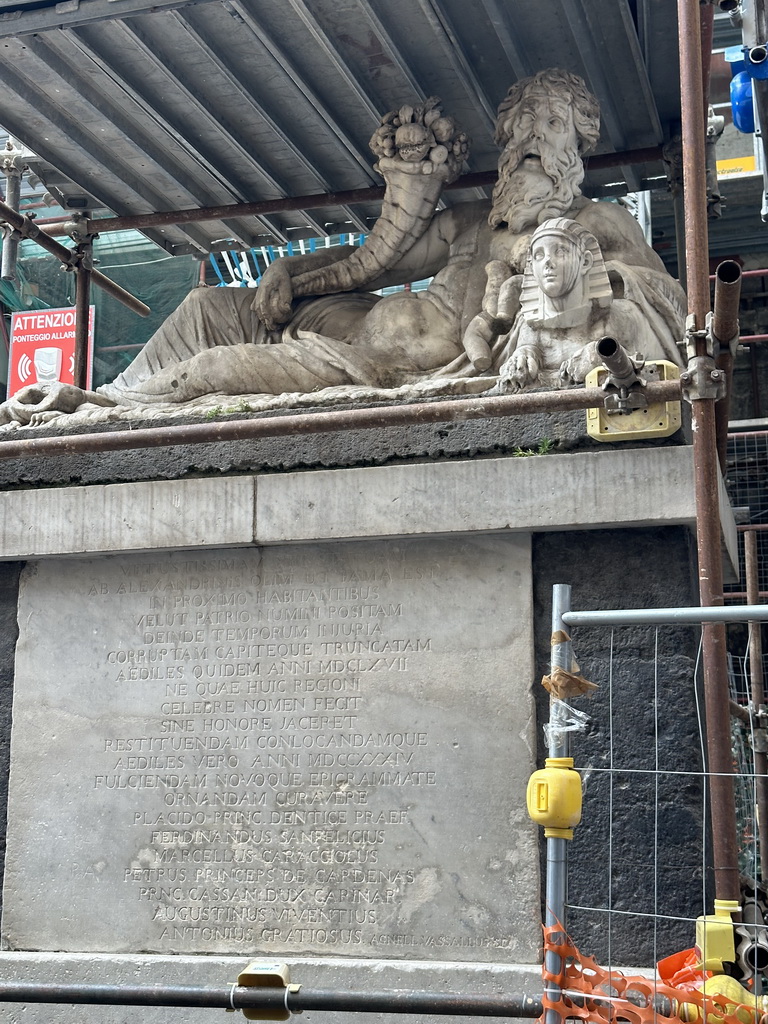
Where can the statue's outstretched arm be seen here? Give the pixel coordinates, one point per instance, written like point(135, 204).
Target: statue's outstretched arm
point(418, 151)
point(275, 293)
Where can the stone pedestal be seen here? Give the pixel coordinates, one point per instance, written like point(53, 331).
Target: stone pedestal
point(290, 716)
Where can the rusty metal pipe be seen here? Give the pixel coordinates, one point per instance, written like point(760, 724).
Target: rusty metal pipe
point(617, 362)
point(716, 696)
point(725, 311)
point(478, 179)
point(725, 327)
point(82, 323)
point(30, 230)
point(739, 712)
point(757, 694)
point(320, 422)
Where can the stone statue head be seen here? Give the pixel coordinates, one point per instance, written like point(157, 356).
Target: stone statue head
point(565, 270)
point(546, 123)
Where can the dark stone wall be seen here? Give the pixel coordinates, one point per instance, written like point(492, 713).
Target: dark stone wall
point(639, 847)
point(457, 439)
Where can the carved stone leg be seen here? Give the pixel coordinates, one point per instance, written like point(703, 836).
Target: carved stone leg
point(307, 364)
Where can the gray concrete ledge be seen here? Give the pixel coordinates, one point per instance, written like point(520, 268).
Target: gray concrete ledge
point(552, 492)
point(585, 490)
point(326, 973)
point(165, 514)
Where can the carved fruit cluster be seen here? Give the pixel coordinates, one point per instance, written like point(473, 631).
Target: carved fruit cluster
point(422, 136)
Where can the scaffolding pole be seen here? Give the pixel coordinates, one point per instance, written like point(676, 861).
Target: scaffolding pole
point(716, 696)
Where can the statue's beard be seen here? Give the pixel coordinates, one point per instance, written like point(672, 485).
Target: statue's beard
point(524, 196)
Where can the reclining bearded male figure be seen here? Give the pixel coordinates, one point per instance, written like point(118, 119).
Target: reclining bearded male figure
point(312, 325)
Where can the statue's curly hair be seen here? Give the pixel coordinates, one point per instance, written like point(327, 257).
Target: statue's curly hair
point(586, 112)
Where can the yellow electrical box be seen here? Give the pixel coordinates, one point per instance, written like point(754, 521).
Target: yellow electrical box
point(715, 942)
point(266, 975)
point(659, 419)
point(554, 797)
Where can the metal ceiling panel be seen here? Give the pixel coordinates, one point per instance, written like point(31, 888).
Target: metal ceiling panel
point(166, 105)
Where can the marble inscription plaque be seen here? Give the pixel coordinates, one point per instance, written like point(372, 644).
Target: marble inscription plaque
point(305, 749)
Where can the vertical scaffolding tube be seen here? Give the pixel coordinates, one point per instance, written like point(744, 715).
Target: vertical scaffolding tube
point(558, 746)
point(82, 314)
point(720, 763)
point(11, 239)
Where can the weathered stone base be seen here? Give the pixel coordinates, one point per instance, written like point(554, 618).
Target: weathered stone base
point(329, 973)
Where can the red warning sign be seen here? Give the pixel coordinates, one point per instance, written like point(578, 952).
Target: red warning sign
point(43, 348)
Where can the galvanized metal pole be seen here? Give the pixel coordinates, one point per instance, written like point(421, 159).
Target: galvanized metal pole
point(720, 764)
point(11, 240)
point(557, 849)
point(757, 693)
point(667, 616)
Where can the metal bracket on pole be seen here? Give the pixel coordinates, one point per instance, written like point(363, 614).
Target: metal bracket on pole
point(270, 976)
point(701, 379)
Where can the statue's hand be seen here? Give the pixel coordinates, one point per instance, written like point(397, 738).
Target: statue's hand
point(574, 369)
point(419, 140)
point(477, 341)
point(508, 305)
point(274, 296)
point(501, 303)
point(37, 403)
point(522, 368)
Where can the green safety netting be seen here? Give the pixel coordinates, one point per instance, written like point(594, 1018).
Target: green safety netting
point(138, 265)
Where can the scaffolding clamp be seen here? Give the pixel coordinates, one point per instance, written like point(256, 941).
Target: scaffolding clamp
point(79, 228)
point(693, 336)
point(702, 379)
point(267, 976)
point(759, 740)
point(715, 941)
point(27, 229)
point(80, 257)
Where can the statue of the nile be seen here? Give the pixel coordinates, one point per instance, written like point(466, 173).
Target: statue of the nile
point(314, 321)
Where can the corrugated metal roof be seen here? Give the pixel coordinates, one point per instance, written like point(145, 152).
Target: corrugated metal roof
point(151, 105)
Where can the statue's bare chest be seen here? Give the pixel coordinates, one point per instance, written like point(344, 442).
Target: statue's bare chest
point(510, 248)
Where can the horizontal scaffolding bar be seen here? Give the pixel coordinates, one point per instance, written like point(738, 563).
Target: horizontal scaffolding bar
point(478, 179)
point(673, 616)
point(282, 425)
point(240, 997)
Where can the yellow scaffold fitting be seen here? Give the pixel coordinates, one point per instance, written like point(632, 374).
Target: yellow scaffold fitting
point(554, 797)
point(660, 419)
point(715, 941)
point(266, 975)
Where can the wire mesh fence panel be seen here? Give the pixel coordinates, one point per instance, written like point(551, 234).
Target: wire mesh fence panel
point(747, 485)
point(641, 755)
point(644, 796)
